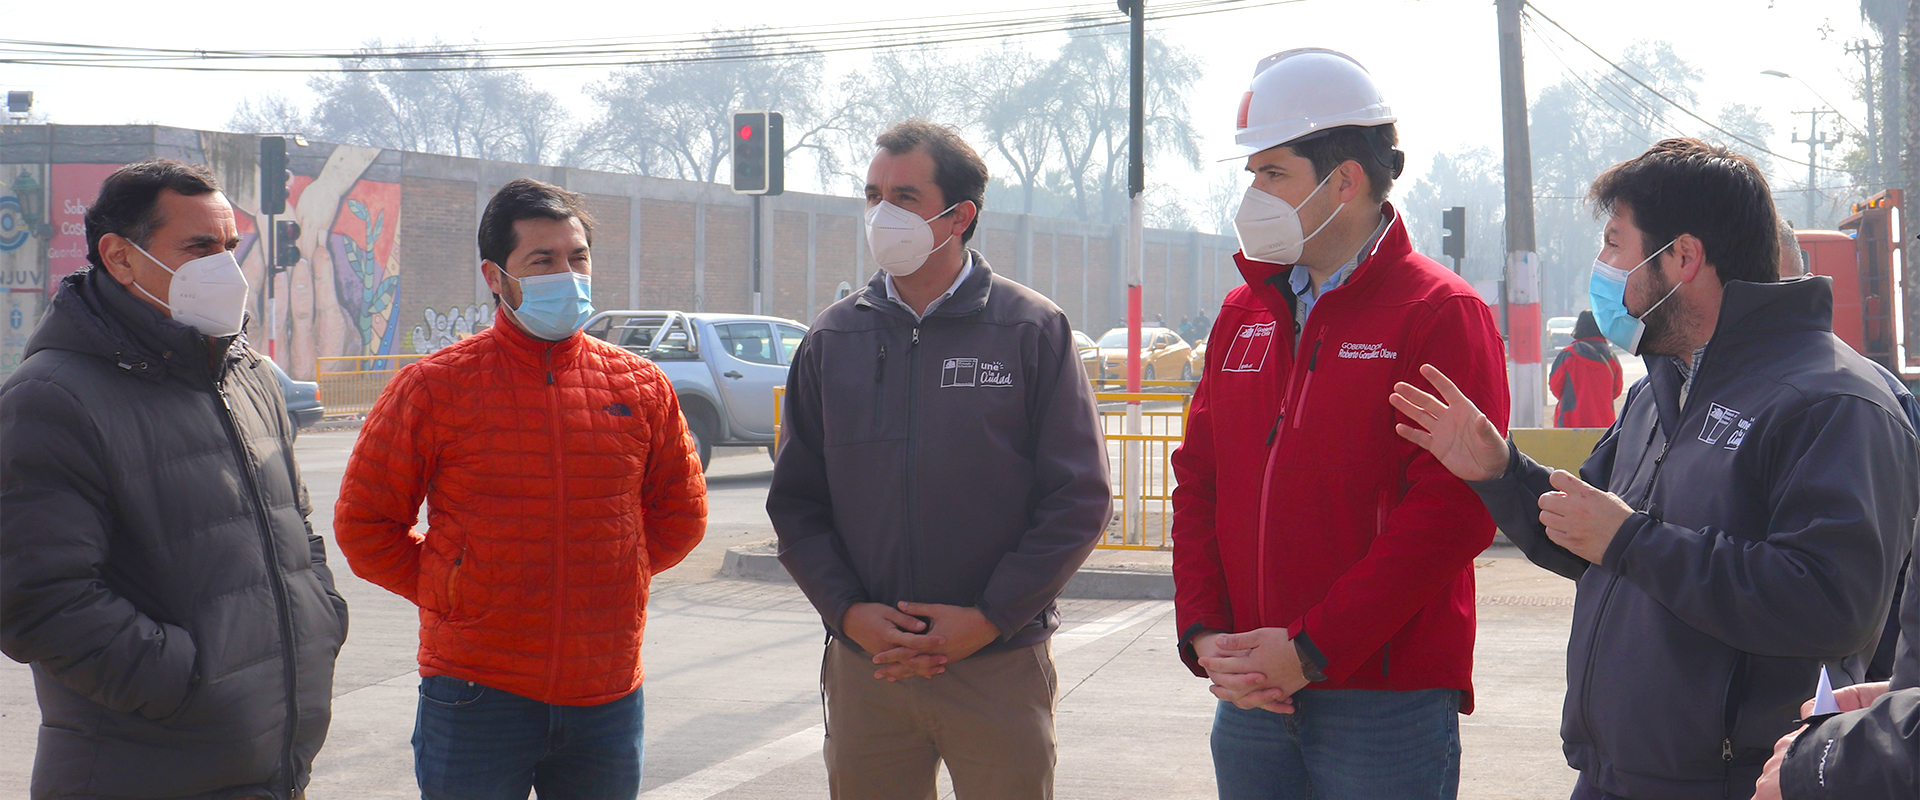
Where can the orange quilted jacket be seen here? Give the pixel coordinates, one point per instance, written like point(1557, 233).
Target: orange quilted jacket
point(559, 478)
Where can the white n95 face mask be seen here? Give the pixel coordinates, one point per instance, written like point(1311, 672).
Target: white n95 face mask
point(209, 294)
point(899, 239)
point(1269, 227)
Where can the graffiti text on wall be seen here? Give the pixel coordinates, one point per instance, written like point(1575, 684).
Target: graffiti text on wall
point(445, 329)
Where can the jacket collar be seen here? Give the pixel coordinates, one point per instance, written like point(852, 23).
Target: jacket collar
point(522, 346)
point(92, 313)
point(970, 298)
point(1749, 312)
point(1270, 284)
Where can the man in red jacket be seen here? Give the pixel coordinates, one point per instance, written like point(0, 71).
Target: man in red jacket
point(1323, 565)
point(1585, 379)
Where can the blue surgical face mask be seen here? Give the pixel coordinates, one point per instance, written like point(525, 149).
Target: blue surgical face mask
point(554, 307)
point(1607, 290)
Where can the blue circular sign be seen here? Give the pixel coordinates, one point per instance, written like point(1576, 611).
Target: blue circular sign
point(13, 224)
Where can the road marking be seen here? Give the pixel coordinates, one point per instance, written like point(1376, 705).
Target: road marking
point(766, 758)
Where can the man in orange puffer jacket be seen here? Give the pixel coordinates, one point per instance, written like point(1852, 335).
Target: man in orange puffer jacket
point(559, 478)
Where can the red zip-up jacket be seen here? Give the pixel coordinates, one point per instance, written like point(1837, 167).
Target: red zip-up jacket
point(1299, 507)
point(1585, 379)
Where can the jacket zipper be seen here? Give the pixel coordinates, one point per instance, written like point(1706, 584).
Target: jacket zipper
point(560, 532)
point(913, 373)
point(274, 577)
point(1266, 481)
point(1606, 598)
point(1731, 718)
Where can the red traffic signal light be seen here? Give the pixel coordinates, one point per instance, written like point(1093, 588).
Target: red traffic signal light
point(758, 153)
point(746, 131)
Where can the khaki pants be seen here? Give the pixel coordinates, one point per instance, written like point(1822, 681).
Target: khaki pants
point(990, 717)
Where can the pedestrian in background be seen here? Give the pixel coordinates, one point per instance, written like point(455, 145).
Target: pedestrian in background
point(1585, 378)
point(1323, 567)
point(157, 569)
point(1740, 526)
point(941, 475)
point(559, 479)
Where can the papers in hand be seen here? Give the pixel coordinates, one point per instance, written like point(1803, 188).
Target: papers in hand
point(1823, 702)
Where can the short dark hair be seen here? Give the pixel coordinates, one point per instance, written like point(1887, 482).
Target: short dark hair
point(126, 205)
point(957, 169)
point(526, 198)
point(1687, 186)
point(1372, 147)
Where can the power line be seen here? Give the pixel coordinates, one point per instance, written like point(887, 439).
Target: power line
point(712, 47)
point(1657, 93)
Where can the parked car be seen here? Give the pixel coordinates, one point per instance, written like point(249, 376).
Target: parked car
point(303, 399)
point(1163, 355)
point(1089, 355)
point(1559, 335)
point(724, 367)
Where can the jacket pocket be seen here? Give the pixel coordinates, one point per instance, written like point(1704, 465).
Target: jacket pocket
point(453, 582)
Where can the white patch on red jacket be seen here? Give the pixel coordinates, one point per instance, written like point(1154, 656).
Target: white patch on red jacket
point(1250, 348)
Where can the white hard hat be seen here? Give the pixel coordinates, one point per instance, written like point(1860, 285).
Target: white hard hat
point(1304, 91)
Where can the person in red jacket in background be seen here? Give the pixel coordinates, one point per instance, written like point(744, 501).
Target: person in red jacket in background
point(1323, 566)
point(559, 479)
point(1585, 378)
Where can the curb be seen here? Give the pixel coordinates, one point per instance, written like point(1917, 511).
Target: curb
point(757, 562)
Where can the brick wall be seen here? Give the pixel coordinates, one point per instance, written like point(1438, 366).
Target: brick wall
point(666, 254)
point(611, 241)
point(438, 255)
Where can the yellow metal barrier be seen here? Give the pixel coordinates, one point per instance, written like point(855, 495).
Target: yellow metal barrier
point(1557, 448)
point(1162, 427)
point(779, 407)
point(349, 384)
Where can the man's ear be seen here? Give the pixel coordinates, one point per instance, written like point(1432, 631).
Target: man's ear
point(1351, 181)
point(1692, 255)
point(116, 256)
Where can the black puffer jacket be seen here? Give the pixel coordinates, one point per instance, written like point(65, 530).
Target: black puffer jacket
point(156, 566)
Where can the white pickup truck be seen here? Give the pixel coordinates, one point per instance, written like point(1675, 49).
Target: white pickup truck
point(724, 367)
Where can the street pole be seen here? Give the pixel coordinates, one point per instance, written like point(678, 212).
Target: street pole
point(756, 256)
point(1135, 464)
point(272, 257)
point(1525, 383)
point(1876, 172)
point(1813, 142)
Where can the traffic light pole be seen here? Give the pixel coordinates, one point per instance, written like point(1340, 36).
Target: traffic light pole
point(272, 254)
point(755, 277)
point(1526, 383)
point(1133, 510)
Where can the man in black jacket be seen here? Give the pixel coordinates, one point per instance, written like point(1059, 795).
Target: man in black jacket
point(156, 565)
point(940, 478)
point(1740, 526)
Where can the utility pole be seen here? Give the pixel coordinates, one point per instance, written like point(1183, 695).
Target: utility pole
point(1526, 384)
point(1814, 140)
point(1876, 171)
point(1133, 510)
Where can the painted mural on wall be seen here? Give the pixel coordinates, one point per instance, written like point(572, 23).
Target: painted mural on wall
point(23, 267)
point(457, 323)
point(342, 297)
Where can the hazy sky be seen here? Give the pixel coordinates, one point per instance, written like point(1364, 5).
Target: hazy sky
point(1436, 60)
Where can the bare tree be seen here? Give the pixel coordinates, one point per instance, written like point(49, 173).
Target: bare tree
point(1091, 78)
point(891, 89)
point(268, 113)
point(667, 120)
point(1015, 102)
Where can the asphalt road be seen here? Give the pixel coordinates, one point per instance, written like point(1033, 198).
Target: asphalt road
point(732, 694)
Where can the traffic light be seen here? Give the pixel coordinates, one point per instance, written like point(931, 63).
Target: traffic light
point(286, 243)
point(759, 152)
point(1454, 242)
point(273, 175)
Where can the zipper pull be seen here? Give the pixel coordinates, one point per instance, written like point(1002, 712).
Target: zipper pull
point(880, 366)
point(1726, 750)
point(1313, 360)
point(1275, 433)
point(916, 336)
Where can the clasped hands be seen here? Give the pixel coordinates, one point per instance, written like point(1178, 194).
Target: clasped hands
point(906, 646)
point(1257, 669)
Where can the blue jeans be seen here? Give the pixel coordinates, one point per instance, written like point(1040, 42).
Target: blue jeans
point(1341, 744)
point(472, 742)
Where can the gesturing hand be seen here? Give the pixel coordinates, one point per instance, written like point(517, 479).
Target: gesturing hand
point(1581, 518)
point(1451, 427)
point(895, 639)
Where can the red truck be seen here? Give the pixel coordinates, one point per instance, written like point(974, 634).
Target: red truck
point(1874, 305)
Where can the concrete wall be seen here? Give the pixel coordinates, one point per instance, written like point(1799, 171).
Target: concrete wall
point(391, 262)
